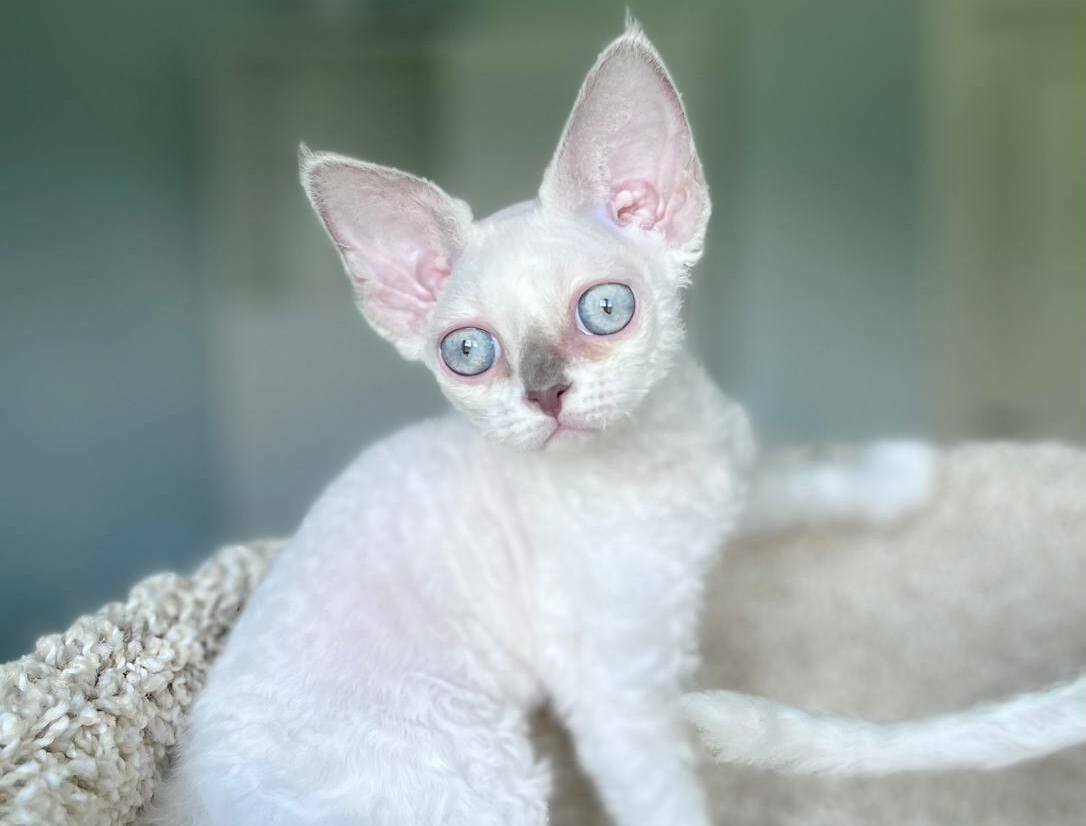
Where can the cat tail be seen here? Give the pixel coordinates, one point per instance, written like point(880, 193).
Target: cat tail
point(737, 728)
point(873, 484)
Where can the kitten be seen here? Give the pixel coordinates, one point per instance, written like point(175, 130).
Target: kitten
point(547, 543)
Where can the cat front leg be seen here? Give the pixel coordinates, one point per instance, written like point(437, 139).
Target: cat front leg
point(618, 613)
point(635, 749)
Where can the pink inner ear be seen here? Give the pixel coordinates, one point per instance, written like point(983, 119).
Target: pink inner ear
point(397, 291)
point(431, 274)
point(636, 202)
point(390, 289)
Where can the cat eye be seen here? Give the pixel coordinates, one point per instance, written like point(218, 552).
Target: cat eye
point(605, 309)
point(469, 351)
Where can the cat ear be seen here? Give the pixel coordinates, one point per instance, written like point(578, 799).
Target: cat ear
point(627, 150)
point(398, 236)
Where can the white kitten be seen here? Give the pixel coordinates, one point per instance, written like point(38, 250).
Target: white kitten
point(454, 577)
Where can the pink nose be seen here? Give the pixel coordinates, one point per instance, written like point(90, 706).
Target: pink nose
point(548, 399)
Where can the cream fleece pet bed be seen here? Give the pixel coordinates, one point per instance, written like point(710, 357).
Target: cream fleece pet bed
point(980, 595)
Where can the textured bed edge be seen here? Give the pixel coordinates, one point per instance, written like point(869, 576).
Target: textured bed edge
point(86, 718)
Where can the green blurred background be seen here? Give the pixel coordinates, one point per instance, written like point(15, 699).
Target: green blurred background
point(898, 244)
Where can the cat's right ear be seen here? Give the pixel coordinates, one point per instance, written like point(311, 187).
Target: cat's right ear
point(398, 236)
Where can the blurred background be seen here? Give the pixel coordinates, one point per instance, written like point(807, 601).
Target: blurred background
point(898, 244)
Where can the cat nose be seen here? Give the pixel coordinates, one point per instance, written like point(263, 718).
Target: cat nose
point(547, 399)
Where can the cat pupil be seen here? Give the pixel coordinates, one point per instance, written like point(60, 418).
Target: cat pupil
point(466, 345)
point(606, 305)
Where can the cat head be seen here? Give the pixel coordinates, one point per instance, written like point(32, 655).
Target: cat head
point(550, 320)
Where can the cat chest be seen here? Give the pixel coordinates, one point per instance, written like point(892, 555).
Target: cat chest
point(685, 498)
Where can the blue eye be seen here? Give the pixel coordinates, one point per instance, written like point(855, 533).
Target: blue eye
point(469, 351)
point(605, 309)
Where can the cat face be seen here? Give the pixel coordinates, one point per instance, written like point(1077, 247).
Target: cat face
point(551, 320)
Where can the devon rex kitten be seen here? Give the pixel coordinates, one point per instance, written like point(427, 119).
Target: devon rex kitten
point(456, 576)
point(551, 547)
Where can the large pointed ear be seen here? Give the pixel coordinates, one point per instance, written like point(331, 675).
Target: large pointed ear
point(627, 150)
point(398, 236)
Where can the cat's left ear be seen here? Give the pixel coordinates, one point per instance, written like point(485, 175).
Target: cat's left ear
point(398, 236)
point(628, 152)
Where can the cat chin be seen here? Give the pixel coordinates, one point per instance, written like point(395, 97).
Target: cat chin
point(547, 438)
point(555, 440)
point(565, 436)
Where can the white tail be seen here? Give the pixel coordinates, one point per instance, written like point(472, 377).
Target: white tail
point(873, 485)
point(738, 728)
